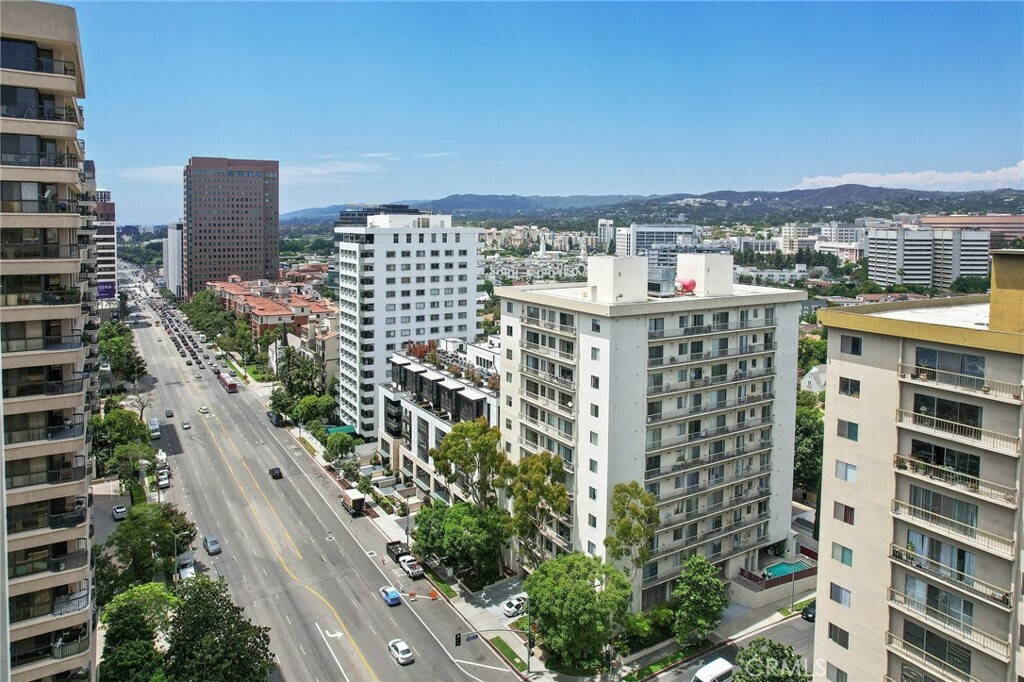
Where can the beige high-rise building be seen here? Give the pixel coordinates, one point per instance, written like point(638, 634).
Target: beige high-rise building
point(48, 323)
point(920, 570)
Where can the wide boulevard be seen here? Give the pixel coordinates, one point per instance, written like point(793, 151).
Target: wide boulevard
point(291, 556)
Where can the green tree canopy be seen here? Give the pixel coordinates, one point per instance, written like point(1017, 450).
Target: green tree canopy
point(699, 599)
point(632, 524)
point(970, 285)
point(126, 457)
point(577, 602)
point(468, 537)
point(765, 660)
point(469, 454)
point(144, 543)
point(811, 352)
point(340, 445)
point(310, 407)
point(809, 447)
point(212, 640)
point(151, 599)
point(538, 491)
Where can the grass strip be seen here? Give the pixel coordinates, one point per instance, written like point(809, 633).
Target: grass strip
point(309, 448)
point(507, 652)
point(665, 662)
point(440, 584)
point(785, 610)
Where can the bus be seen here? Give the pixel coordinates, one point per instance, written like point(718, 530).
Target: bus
point(229, 384)
point(154, 428)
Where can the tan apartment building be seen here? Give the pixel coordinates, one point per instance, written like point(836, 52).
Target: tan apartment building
point(231, 222)
point(920, 571)
point(48, 323)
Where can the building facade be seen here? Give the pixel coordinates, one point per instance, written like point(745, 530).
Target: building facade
point(401, 279)
point(636, 239)
point(106, 259)
point(231, 221)
point(920, 564)
point(926, 257)
point(48, 326)
point(676, 392)
point(172, 259)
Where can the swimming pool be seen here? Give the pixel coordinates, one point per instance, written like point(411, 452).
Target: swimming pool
point(786, 567)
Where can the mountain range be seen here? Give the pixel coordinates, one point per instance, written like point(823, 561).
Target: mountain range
point(843, 202)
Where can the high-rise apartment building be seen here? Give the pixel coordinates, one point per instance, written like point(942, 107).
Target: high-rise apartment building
point(926, 257)
point(231, 221)
point(172, 258)
point(401, 278)
point(48, 323)
point(605, 232)
point(636, 239)
point(919, 576)
point(690, 394)
point(106, 259)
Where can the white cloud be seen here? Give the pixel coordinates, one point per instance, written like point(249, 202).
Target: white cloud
point(387, 156)
point(1011, 176)
point(162, 175)
point(436, 155)
point(328, 172)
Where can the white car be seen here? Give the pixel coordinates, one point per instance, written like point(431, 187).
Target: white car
point(411, 566)
point(186, 425)
point(204, 410)
point(119, 512)
point(400, 651)
point(163, 479)
point(515, 606)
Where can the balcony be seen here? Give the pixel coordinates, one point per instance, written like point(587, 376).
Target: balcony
point(38, 206)
point(703, 329)
point(547, 351)
point(711, 355)
point(959, 628)
point(964, 383)
point(946, 476)
point(68, 519)
point(38, 160)
point(567, 465)
point(70, 341)
point(61, 606)
point(549, 403)
point(45, 112)
point(58, 650)
point(52, 297)
point(961, 531)
point(713, 484)
point(933, 664)
point(55, 66)
point(672, 520)
point(544, 427)
point(687, 438)
point(711, 407)
point(999, 595)
point(548, 377)
point(68, 474)
point(1005, 443)
point(672, 469)
point(726, 529)
point(41, 388)
point(550, 326)
point(39, 251)
point(74, 429)
point(721, 380)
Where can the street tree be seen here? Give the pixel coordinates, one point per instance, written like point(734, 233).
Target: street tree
point(469, 454)
point(134, 661)
point(212, 640)
point(153, 600)
point(310, 407)
point(467, 536)
point(281, 401)
point(578, 603)
point(699, 599)
point(145, 543)
point(632, 524)
point(127, 457)
point(765, 660)
point(809, 447)
point(340, 445)
point(139, 399)
point(538, 492)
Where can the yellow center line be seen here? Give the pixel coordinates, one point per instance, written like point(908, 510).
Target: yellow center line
point(347, 633)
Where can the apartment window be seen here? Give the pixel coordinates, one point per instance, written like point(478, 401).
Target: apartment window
point(595, 353)
point(843, 555)
point(947, 651)
point(508, 306)
point(508, 353)
point(834, 674)
point(847, 430)
point(595, 411)
point(508, 330)
point(956, 363)
point(595, 382)
point(846, 472)
point(593, 437)
point(843, 513)
point(591, 520)
point(850, 387)
point(839, 635)
point(593, 466)
point(593, 493)
point(954, 415)
point(851, 345)
point(591, 548)
point(595, 326)
point(934, 502)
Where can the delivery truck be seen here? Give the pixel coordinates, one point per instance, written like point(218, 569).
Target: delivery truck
point(353, 501)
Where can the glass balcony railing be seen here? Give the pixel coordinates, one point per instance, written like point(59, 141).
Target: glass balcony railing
point(39, 251)
point(52, 297)
point(74, 429)
point(38, 206)
point(63, 342)
point(12, 389)
point(39, 159)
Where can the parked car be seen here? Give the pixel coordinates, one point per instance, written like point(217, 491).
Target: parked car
point(390, 596)
point(119, 512)
point(810, 611)
point(400, 651)
point(275, 418)
point(211, 544)
point(411, 567)
point(514, 607)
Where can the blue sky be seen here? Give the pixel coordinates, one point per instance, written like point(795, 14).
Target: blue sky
point(374, 102)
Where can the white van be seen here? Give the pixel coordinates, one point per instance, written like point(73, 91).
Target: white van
point(718, 670)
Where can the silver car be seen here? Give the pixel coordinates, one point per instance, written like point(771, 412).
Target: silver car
point(400, 651)
point(211, 544)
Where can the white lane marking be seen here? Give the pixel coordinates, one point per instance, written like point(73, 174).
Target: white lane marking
point(288, 619)
point(331, 650)
point(371, 628)
point(482, 665)
point(302, 650)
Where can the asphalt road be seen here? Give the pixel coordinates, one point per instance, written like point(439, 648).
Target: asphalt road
point(291, 557)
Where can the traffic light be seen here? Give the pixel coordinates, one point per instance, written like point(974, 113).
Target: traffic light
point(458, 639)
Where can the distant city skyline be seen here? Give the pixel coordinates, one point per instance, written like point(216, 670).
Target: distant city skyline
point(379, 102)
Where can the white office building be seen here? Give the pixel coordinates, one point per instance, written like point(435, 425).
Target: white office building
point(172, 258)
point(925, 257)
point(106, 259)
point(605, 231)
point(401, 279)
point(636, 239)
point(677, 392)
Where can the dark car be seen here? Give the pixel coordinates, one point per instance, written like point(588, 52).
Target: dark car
point(809, 611)
point(275, 418)
point(168, 413)
point(276, 473)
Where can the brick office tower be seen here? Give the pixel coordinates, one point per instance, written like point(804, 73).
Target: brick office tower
point(231, 221)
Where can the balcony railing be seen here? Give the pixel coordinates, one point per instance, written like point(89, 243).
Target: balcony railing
point(70, 561)
point(672, 469)
point(710, 407)
point(38, 206)
point(710, 328)
point(972, 534)
point(57, 66)
point(39, 251)
point(547, 376)
point(711, 355)
point(43, 112)
point(726, 529)
point(61, 606)
point(673, 441)
point(962, 382)
point(549, 429)
point(52, 477)
point(992, 440)
point(672, 520)
point(546, 324)
point(732, 377)
point(59, 649)
point(971, 484)
point(76, 429)
point(923, 658)
point(68, 519)
point(41, 388)
point(53, 297)
point(1001, 595)
point(70, 341)
point(547, 350)
point(964, 630)
point(548, 402)
point(37, 159)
